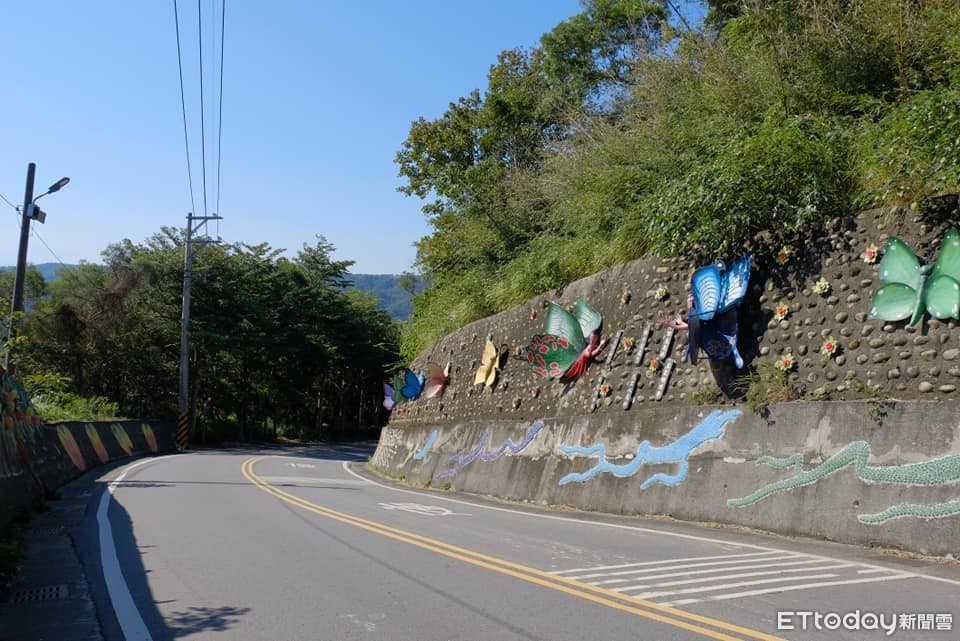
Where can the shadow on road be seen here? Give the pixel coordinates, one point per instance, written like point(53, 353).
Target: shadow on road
point(181, 622)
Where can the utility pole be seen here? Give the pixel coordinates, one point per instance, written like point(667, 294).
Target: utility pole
point(194, 224)
point(24, 239)
point(30, 212)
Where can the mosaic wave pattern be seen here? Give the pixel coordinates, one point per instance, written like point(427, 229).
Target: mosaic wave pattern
point(462, 459)
point(677, 452)
point(939, 471)
point(419, 456)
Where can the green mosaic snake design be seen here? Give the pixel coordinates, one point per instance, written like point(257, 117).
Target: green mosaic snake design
point(940, 471)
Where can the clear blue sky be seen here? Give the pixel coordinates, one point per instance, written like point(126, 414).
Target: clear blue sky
point(317, 98)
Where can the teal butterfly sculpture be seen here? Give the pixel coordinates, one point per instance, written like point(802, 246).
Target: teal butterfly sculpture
point(911, 287)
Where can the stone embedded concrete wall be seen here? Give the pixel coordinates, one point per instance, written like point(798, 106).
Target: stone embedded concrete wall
point(874, 360)
point(58, 452)
point(867, 472)
point(887, 372)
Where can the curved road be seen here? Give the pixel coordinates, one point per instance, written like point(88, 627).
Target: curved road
point(285, 545)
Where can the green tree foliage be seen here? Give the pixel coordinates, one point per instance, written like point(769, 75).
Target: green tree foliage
point(630, 132)
point(277, 345)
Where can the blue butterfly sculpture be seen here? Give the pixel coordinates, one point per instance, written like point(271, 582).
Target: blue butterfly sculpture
point(712, 318)
point(407, 386)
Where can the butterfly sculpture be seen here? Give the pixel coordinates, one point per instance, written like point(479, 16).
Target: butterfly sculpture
point(436, 380)
point(489, 364)
point(406, 386)
point(571, 341)
point(912, 288)
point(716, 293)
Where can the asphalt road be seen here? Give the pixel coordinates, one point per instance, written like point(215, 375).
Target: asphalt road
point(286, 545)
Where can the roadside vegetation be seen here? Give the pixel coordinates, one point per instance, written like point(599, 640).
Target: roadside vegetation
point(280, 347)
point(633, 131)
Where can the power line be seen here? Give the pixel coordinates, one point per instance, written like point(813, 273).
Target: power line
point(203, 142)
point(223, 8)
point(36, 234)
point(18, 209)
point(183, 106)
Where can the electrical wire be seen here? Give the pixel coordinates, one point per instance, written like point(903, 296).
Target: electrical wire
point(183, 107)
point(203, 142)
point(4, 198)
point(36, 234)
point(223, 8)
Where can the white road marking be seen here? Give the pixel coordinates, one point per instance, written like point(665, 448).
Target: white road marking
point(735, 569)
point(425, 510)
point(306, 465)
point(724, 586)
point(742, 575)
point(642, 530)
point(665, 562)
point(769, 557)
point(128, 616)
point(809, 586)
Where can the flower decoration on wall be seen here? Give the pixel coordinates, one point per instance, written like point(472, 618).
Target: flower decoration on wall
point(604, 389)
point(535, 391)
point(654, 365)
point(783, 256)
point(781, 311)
point(822, 286)
point(660, 293)
point(829, 346)
point(625, 296)
point(785, 363)
point(871, 253)
point(516, 402)
point(628, 344)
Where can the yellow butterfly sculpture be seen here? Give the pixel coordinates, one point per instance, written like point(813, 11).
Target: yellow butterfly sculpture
point(489, 364)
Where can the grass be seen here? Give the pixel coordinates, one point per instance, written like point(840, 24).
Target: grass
point(765, 386)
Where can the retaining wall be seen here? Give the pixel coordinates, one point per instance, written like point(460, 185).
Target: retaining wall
point(885, 400)
point(872, 473)
point(55, 453)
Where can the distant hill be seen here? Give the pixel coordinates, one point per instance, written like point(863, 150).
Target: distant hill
point(48, 270)
point(395, 300)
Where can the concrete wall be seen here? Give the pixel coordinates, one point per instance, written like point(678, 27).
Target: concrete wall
point(58, 452)
point(899, 387)
point(885, 473)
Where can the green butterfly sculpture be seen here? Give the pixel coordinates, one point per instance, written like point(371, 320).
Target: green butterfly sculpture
point(910, 287)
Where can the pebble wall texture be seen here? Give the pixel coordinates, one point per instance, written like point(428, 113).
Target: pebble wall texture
point(873, 360)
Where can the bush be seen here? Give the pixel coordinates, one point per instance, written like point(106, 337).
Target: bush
point(784, 178)
point(910, 154)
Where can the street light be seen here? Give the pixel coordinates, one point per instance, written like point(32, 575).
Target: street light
point(30, 212)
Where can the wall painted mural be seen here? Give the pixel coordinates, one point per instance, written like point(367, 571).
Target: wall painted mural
point(463, 458)
point(71, 448)
point(419, 455)
point(150, 437)
point(97, 443)
point(677, 452)
point(123, 439)
point(939, 471)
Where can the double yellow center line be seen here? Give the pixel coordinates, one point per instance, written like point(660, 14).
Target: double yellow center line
point(709, 627)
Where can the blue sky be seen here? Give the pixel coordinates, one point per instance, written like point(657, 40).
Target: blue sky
point(317, 98)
